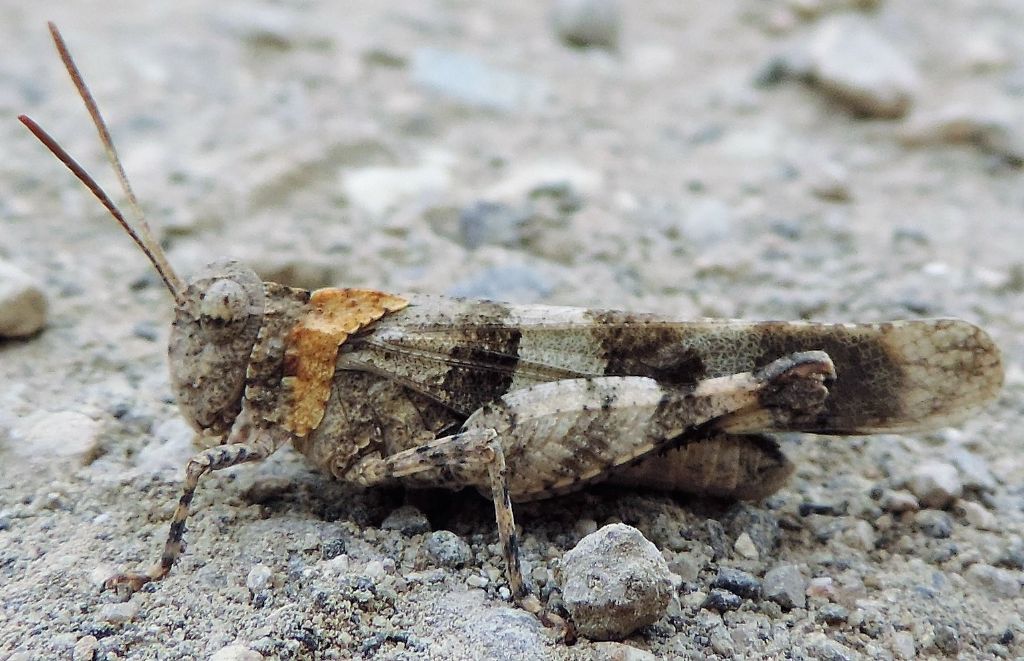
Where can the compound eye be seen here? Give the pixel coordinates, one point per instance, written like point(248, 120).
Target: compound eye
point(225, 301)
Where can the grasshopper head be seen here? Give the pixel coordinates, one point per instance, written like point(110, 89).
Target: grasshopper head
point(218, 313)
point(215, 326)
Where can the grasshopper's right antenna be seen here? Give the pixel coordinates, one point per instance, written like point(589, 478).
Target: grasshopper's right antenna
point(144, 236)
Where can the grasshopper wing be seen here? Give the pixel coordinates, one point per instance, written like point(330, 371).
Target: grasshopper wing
point(892, 376)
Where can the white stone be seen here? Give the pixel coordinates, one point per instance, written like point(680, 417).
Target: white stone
point(851, 61)
point(119, 613)
point(377, 190)
point(745, 547)
point(236, 652)
point(260, 578)
point(935, 483)
point(900, 501)
point(22, 303)
point(374, 570)
point(43, 436)
point(977, 516)
point(903, 645)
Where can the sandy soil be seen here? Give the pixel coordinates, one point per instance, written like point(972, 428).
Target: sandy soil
point(330, 144)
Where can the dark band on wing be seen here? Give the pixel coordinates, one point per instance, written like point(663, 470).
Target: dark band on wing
point(483, 364)
point(869, 381)
point(635, 345)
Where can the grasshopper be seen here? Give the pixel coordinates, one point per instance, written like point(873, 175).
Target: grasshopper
point(523, 401)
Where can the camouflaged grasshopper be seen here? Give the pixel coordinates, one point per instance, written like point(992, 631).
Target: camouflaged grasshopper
point(525, 401)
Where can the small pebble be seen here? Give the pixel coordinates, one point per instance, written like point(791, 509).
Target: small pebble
point(832, 614)
point(614, 582)
point(851, 61)
point(999, 582)
point(738, 582)
point(1012, 556)
point(822, 647)
point(860, 535)
point(822, 586)
point(236, 652)
point(935, 483)
point(408, 520)
point(899, 501)
point(447, 549)
point(471, 81)
point(722, 600)
point(757, 523)
point(62, 435)
point(119, 613)
point(976, 515)
point(947, 639)
point(974, 470)
point(721, 642)
point(333, 547)
point(477, 581)
point(374, 570)
point(934, 523)
point(260, 578)
point(587, 23)
point(608, 651)
point(22, 303)
point(830, 180)
point(745, 547)
point(903, 645)
point(85, 649)
point(786, 586)
point(380, 189)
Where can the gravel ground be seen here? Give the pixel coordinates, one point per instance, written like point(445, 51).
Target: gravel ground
point(825, 159)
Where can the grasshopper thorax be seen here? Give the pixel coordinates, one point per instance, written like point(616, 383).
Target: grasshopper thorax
point(215, 326)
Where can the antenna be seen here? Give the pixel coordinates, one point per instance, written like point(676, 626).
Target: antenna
point(144, 236)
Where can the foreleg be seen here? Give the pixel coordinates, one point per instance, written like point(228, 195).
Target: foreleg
point(247, 448)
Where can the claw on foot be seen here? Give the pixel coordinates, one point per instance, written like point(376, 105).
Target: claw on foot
point(126, 584)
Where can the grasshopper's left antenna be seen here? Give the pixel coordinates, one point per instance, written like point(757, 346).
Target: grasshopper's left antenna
point(143, 237)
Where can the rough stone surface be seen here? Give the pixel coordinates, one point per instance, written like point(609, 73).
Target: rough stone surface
point(22, 303)
point(614, 582)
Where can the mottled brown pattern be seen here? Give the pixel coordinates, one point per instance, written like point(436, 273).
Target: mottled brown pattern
point(208, 355)
point(896, 376)
point(264, 396)
point(311, 348)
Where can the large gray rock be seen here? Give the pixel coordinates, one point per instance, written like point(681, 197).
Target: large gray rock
point(614, 582)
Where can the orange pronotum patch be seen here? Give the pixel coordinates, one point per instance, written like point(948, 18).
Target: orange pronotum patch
point(313, 344)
